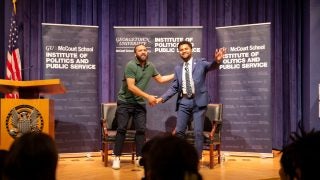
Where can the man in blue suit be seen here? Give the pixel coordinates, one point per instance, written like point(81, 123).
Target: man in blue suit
point(189, 83)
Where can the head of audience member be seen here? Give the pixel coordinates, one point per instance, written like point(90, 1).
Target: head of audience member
point(171, 158)
point(3, 157)
point(145, 153)
point(32, 156)
point(299, 158)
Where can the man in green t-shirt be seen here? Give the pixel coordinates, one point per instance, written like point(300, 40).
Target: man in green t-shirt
point(131, 100)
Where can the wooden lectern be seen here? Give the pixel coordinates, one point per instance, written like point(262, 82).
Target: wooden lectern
point(30, 112)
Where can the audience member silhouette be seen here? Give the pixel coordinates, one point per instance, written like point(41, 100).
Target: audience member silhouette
point(144, 155)
point(170, 158)
point(299, 159)
point(3, 157)
point(32, 156)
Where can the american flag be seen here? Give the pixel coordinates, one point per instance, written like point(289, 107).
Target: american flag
point(13, 63)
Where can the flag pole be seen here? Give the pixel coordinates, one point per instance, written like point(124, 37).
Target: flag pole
point(14, 6)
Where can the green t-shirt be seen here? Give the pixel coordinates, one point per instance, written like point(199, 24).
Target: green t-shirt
point(142, 76)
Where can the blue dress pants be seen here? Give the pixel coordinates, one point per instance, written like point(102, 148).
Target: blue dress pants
point(189, 110)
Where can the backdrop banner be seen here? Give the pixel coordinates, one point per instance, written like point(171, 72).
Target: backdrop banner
point(70, 53)
point(162, 43)
point(245, 88)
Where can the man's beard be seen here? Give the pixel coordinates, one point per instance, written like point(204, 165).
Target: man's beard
point(140, 58)
point(186, 58)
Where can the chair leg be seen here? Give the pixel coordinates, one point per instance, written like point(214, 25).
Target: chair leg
point(211, 154)
point(105, 151)
point(219, 155)
point(102, 153)
point(132, 152)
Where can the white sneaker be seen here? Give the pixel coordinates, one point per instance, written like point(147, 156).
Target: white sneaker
point(116, 162)
point(137, 161)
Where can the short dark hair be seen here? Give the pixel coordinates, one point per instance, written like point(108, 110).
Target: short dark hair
point(185, 42)
point(301, 155)
point(3, 156)
point(135, 47)
point(32, 156)
point(171, 157)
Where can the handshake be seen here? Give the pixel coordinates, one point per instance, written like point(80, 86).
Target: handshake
point(154, 100)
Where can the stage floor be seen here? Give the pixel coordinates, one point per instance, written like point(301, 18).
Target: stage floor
point(234, 167)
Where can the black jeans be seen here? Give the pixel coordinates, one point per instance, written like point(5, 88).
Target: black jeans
point(123, 113)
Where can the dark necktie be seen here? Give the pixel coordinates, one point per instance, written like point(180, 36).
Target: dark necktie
point(188, 84)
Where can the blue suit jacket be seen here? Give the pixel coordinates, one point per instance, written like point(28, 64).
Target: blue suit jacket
point(200, 67)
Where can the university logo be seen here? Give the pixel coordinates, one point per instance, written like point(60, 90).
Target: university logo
point(22, 119)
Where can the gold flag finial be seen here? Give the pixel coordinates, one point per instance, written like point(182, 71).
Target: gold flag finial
point(14, 6)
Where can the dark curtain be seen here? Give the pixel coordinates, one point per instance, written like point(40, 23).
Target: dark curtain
point(286, 18)
point(2, 38)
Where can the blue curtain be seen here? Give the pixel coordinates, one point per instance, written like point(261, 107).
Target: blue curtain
point(286, 18)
